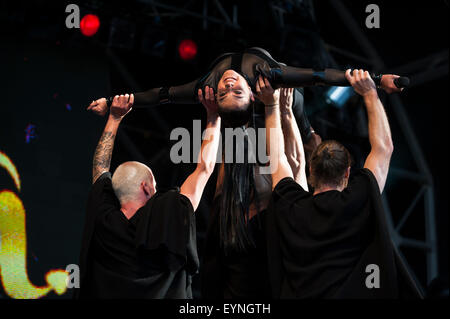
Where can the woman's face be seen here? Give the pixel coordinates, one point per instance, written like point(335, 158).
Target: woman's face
point(233, 92)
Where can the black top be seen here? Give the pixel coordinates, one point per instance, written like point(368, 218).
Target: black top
point(250, 64)
point(151, 255)
point(245, 273)
point(235, 275)
point(254, 62)
point(319, 246)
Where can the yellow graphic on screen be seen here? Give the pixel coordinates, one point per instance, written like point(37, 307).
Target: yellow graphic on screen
point(13, 246)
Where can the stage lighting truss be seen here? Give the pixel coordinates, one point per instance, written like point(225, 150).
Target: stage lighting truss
point(174, 8)
point(436, 66)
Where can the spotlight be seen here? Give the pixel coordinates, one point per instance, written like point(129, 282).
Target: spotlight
point(89, 25)
point(187, 49)
point(339, 95)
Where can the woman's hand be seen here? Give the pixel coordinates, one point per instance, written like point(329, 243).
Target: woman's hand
point(387, 83)
point(265, 93)
point(208, 101)
point(99, 107)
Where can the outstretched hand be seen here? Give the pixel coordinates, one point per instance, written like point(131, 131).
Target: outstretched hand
point(209, 100)
point(387, 83)
point(265, 93)
point(99, 107)
point(121, 106)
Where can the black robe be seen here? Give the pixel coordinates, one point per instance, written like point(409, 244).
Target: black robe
point(320, 246)
point(151, 255)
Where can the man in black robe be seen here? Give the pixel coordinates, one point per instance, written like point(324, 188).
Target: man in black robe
point(333, 242)
point(138, 242)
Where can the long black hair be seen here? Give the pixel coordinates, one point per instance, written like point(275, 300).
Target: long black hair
point(238, 193)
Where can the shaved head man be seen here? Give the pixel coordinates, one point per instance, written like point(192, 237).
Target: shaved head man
point(133, 184)
point(138, 242)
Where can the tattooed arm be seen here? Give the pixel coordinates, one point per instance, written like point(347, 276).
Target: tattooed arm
point(120, 107)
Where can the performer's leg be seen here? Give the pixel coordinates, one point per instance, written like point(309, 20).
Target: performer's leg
point(218, 59)
point(182, 94)
point(264, 51)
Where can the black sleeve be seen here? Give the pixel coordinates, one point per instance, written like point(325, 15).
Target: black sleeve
point(358, 189)
point(164, 230)
point(297, 77)
point(280, 211)
point(102, 196)
point(300, 116)
point(100, 201)
point(287, 192)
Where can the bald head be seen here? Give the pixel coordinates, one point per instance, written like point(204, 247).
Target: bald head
point(133, 182)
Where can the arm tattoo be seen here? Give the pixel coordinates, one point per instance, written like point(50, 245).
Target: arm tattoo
point(102, 156)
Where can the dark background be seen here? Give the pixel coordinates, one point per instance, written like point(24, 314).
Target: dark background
point(45, 66)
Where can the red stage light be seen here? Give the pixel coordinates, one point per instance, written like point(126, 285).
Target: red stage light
point(89, 25)
point(187, 49)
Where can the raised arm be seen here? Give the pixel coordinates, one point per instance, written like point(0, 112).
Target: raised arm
point(379, 131)
point(292, 139)
point(194, 185)
point(274, 134)
point(120, 107)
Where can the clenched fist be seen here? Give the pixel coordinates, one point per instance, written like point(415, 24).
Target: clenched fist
point(209, 100)
point(121, 105)
point(361, 82)
point(265, 93)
